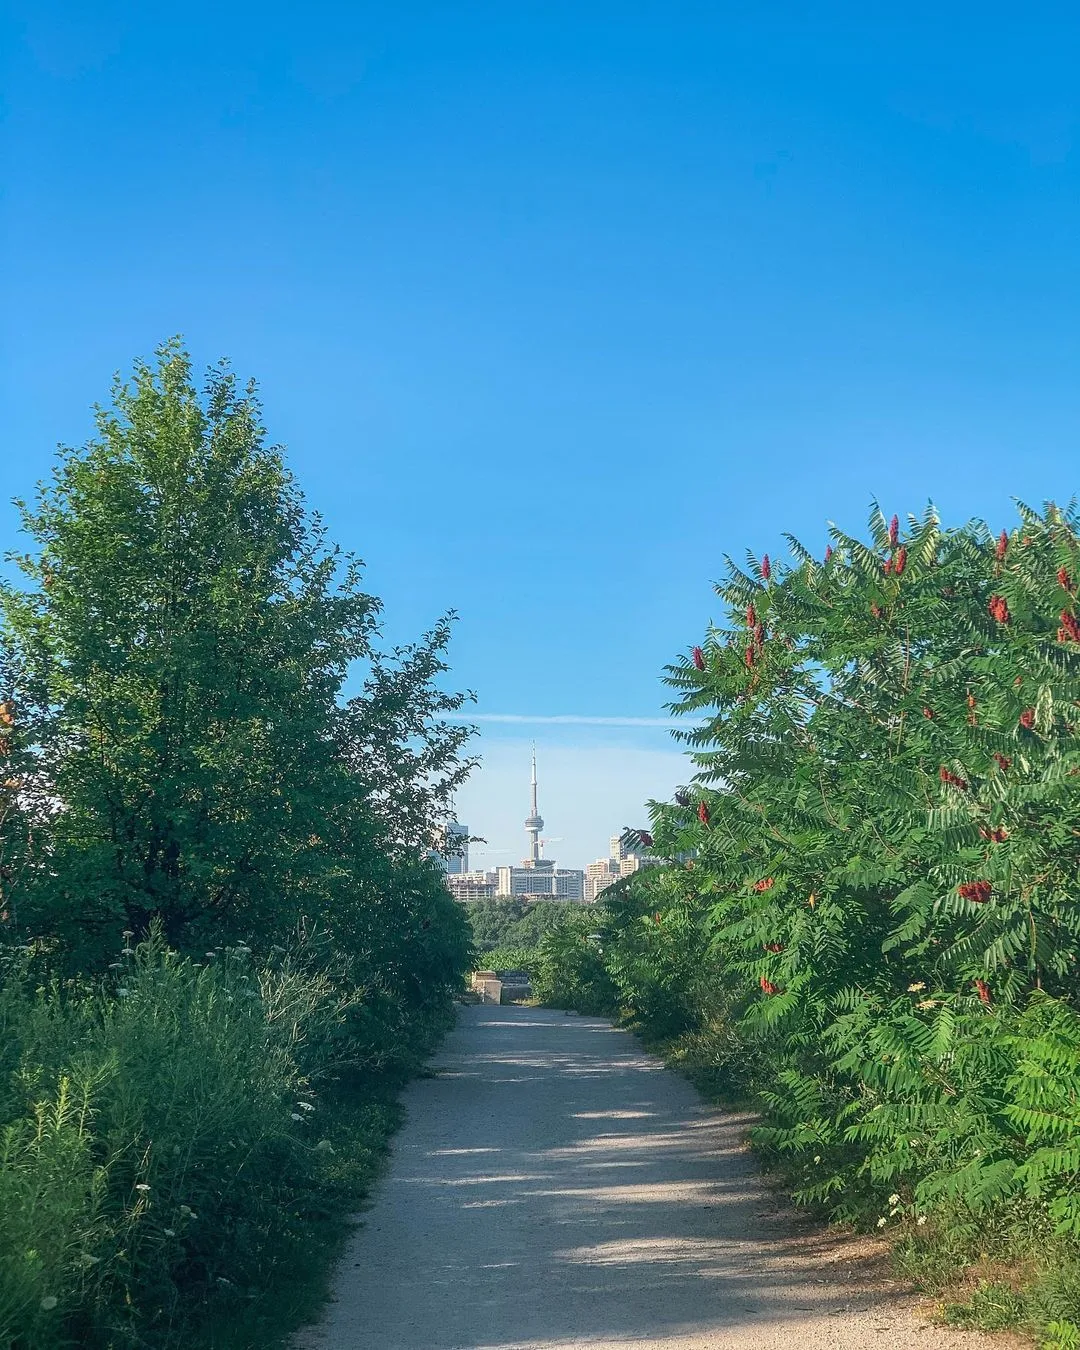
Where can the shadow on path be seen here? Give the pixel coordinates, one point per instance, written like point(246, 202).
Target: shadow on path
point(554, 1186)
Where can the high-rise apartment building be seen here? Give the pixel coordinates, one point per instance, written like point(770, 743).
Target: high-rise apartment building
point(620, 862)
point(451, 850)
point(472, 885)
point(598, 876)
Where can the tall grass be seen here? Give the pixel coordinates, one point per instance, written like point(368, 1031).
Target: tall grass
point(171, 1138)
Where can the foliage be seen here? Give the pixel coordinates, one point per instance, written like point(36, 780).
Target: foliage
point(177, 740)
point(395, 743)
point(183, 782)
point(871, 878)
point(510, 923)
point(571, 972)
point(511, 958)
point(171, 1135)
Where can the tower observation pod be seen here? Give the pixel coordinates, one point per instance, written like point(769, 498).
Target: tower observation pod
point(535, 824)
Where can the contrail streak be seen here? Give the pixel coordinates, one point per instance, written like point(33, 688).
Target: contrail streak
point(567, 719)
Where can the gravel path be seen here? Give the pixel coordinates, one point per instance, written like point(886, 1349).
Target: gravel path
point(555, 1186)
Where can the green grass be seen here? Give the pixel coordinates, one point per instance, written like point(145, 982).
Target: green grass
point(992, 1306)
point(362, 1120)
point(181, 1147)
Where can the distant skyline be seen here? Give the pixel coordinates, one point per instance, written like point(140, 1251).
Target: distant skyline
point(554, 305)
point(587, 793)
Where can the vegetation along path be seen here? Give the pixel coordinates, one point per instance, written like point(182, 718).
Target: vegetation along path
point(554, 1185)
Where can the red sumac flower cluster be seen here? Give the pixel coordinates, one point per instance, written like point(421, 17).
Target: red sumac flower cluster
point(976, 891)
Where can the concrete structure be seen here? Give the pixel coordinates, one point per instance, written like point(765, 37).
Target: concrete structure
point(488, 985)
point(472, 885)
point(501, 986)
point(538, 878)
point(535, 823)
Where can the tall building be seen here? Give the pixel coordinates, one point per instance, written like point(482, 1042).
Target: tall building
point(599, 875)
point(620, 862)
point(451, 851)
point(457, 847)
point(538, 877)
point(534, 824)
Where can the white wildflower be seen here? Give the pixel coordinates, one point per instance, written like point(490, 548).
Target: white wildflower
point(123, 993)
point(305, 1106)
point(817, 1158)
point(295, 1115)
point(188, 1213)
point(914, 988)
point(127, 951)
point(921, 1219)
point(882, 1222)
point(141, 1186)
point(49, 1302)
point(168, 1232)
point(116, 965)
point(894, 1199)
point(324, 1146)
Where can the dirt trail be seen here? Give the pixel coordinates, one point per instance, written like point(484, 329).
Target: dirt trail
point(555, 1186)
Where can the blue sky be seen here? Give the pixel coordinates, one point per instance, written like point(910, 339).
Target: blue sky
point(555, 304)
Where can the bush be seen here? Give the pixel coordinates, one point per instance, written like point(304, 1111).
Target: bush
point(570, 972)
point(184, 1122)
point(501, 924)
point(166, 1134)
point(868, 915)
point(510, 958)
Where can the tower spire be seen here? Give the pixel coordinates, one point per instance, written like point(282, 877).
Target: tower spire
point(535, 823)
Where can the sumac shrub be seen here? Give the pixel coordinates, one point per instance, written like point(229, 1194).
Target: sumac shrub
point(874, 870)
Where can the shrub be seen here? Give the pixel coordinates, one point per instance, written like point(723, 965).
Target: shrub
point(179, 763)
point(161, 1142)
point(869, 896)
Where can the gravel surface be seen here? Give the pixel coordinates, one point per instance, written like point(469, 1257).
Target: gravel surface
point(556, 1186)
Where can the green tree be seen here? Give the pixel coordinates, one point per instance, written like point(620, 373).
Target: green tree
point(396, 742)
point(175, 666)
point(875, 864)
point(511, 923)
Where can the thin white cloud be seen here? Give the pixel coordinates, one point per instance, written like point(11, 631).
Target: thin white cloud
point(566, 719)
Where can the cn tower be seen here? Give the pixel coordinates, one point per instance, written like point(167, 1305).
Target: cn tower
point(534, 824)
